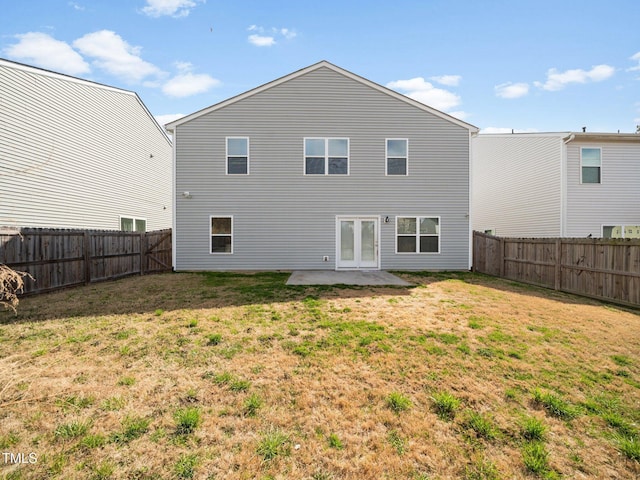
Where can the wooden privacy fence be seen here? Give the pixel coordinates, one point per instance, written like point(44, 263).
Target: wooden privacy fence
point(607, 269)
point(63, 258)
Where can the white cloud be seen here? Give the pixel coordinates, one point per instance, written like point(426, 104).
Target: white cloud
point(44, 51)
point(558, 80)
point(168, 118)
point(76, 6)
point(173, 8)
point(261, 41)
point(421, 90)
point(448, 80)
point(186, 83)
point(636, 58)
point(114, 55)
point(263, 37)
point(511, 90)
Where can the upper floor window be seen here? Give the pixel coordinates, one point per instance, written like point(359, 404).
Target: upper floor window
point(129, 224)
point(326, 156)
point(397, 156)
point(237, 156)
point(591, 165)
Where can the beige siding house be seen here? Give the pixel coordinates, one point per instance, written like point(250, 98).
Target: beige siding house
point(77, 154)
point(321, 169)
point(562, 184)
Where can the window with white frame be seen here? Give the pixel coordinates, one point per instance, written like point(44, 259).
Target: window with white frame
point(591, 165)
point(237, 156)
point(132, 224)
point(326, 156)
point(397, 154)
point(221, 234)
point(621, 231)
point(417, 234)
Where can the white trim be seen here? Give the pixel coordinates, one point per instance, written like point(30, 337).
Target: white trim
point(356, 265)
point(211, 217)
point(386, 158)
point(326, 157)
point(311, 68)
point(417, 235)
point(590, 166)
point(226, 155)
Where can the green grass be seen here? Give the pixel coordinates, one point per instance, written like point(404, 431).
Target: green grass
point(334, 442)
point(132, 427)
point(481, 425)
point(252, 404)
point(398, 443)
point(630, 447)
point(274, 444)
point(398, 402)
point(533, 429)
point(555, 405)
point(187, 420)
point(445, 405)
point(186, 465)
point(73, 429)
point(536, 458)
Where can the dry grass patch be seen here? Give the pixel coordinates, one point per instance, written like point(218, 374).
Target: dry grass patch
point(240, 376)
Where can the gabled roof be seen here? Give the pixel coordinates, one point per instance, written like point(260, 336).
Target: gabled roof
point(323, 64)
point(89, 83)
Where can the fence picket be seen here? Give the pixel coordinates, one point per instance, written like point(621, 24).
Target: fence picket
point(60, 258)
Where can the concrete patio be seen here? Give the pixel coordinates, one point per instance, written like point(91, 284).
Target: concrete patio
point(349, 277)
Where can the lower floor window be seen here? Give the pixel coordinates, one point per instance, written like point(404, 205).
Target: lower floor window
point(222, 234)
point(621, 231)
point(129, 224)
point(418, 234)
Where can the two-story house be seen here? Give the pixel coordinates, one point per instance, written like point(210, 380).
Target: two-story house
point(563, 184)
point(79, 154)
point(321, 169)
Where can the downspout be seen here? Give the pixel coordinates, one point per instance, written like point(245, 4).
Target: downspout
point(174, 131)
point(470, 203)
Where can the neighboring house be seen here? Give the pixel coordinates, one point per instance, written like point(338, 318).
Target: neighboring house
point(321, 169)
point(563, 184)
point(77, 154)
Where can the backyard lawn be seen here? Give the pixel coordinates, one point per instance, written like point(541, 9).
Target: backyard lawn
point(238, 376)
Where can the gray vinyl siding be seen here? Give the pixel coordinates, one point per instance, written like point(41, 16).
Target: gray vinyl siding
point(517, 184)
point(286, 220)
point(78, 155)
point(616, 201)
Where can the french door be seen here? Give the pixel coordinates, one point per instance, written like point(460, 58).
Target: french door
point(357, 242)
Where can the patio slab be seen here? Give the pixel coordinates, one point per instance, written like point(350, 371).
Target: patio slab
point(350, 277)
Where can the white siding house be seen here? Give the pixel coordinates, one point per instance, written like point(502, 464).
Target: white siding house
point(563, 184)
point(77, 154)
point(321, 169)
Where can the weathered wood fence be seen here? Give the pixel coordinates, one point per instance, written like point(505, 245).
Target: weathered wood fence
point(607, 269)
point(60, 258)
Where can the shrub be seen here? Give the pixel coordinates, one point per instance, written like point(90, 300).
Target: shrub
point(11, 285)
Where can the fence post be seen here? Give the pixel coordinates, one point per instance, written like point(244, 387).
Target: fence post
point(558, 267)
point(87, 257)
point(143, 236)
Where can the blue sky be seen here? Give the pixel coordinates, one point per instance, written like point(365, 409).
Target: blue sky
point(500, 65)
